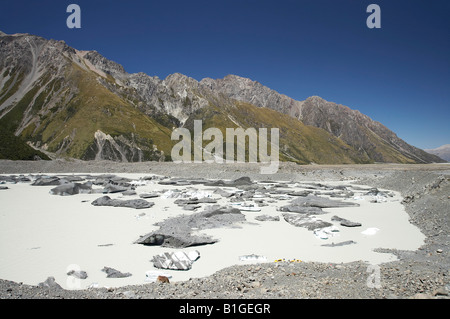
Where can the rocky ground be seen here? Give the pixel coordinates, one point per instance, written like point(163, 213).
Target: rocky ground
point(417, 274)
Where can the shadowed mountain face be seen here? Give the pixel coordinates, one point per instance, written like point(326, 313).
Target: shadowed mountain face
point(79, 104)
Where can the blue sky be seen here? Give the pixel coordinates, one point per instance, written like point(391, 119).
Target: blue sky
point(398, 75)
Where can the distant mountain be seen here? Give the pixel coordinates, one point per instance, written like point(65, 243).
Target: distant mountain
point(79, 104)
point(442, 151)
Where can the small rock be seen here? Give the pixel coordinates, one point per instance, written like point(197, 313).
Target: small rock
point(255, 284)
point(440, 292)
point(439, 251)
point(163, 279)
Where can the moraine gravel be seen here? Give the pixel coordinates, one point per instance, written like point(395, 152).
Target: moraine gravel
point(417, 274)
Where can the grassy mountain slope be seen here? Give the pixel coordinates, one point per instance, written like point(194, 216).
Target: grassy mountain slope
point(298, 142)
point(14, 148)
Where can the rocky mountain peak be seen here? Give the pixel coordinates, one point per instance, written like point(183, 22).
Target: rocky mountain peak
point(178, 78)
point(105, 65)
point(316, 99)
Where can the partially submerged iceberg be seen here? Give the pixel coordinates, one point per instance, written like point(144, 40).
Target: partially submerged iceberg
point(253, 257)
point(178, 260)
point(309, 222)
point(326, 232)
point(321, 202)
point(177, 232)
point(72, 189)
point(131, 203)
point(345, 222)
point(370, 231)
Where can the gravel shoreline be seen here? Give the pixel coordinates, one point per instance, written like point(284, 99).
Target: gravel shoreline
point(417, 274)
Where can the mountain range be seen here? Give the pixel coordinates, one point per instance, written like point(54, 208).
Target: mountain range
point(441, 151)
point(63, 102)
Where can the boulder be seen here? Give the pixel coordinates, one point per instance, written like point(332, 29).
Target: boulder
point(50, 283)
point(163, 280)
point(152, 275)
